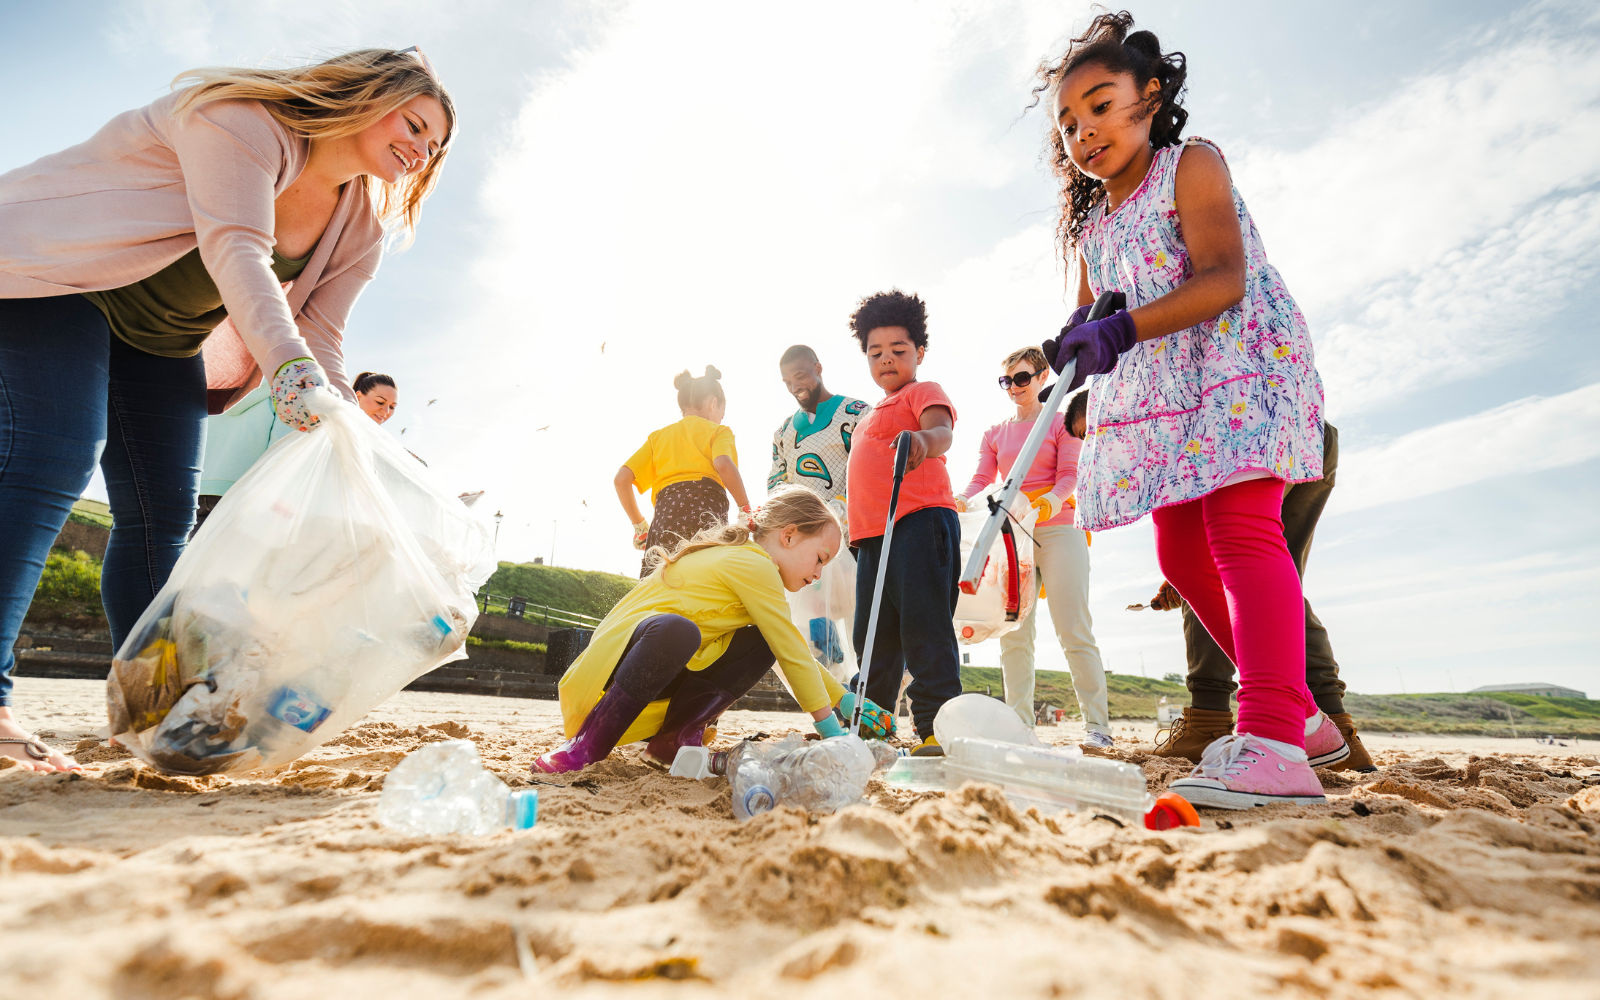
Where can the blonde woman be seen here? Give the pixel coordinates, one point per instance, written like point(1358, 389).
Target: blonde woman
point(707, 622)
point(1061, 552)
point(243, 214)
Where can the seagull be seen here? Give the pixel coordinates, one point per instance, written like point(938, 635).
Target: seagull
point(432, 401)
point(602, 347)
point(585, 503)
point(402, 430)
point(544, 428)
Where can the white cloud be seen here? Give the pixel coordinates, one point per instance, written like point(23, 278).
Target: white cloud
point(1428, 236)
point(1518, 438)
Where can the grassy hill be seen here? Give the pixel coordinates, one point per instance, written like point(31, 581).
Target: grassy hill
point(1130, 697)
point(1488, 714)
point(585, 591)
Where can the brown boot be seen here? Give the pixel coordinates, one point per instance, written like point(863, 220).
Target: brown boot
point(1190, 735)
point(1358, 759)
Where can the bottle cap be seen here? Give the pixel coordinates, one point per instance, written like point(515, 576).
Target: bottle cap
point(522, 811)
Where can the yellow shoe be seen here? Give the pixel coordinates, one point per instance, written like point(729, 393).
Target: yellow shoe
point(928, 748)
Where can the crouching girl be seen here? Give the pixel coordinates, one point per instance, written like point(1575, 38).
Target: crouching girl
point(698, 632)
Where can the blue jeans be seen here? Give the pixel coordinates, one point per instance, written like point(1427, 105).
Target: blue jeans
point(71, 395)
point(915, 631)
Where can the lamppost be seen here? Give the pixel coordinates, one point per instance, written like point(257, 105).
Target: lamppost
point(498, 517)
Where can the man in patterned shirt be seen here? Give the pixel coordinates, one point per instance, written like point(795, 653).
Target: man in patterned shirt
point(812, 449)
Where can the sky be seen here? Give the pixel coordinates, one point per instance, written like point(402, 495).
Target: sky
point(640, 188)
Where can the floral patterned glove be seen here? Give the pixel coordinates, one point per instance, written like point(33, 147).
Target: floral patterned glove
point(641, 532)
point(291, 385)
point(873, 719)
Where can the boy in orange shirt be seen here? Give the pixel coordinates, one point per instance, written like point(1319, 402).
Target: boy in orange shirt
point(920, 586)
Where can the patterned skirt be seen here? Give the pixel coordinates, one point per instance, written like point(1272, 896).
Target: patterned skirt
point(682, 510)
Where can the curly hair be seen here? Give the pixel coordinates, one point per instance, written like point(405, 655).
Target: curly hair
point(1077, 406)
point(794, 505)
point(1111, 42)
point(694, 391)
point(891, 308)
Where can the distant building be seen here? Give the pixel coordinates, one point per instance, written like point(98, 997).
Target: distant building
point(1542, 690)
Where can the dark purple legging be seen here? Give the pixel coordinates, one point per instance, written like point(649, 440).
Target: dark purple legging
point(654, 663)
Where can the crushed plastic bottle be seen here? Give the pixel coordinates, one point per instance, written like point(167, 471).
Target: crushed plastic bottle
point(443, 788)
point(1051, 779)
point(815, 775)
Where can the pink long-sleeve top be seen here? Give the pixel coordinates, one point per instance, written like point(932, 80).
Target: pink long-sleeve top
point(1055, 467)
point(151, 186)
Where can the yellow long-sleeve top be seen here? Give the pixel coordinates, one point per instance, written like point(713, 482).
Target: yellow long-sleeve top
point(721, 589)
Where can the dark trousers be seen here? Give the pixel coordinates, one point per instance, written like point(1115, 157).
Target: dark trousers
point(73, 395)
point(1211, 674)
point(654, 664)
point(914, 622)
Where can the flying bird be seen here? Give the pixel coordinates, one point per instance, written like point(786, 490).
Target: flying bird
point(544, 428)
point(432, 401)
point(602, 347)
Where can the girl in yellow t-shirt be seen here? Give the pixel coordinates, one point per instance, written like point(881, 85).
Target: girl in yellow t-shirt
point(690, 467)
point(698, 633)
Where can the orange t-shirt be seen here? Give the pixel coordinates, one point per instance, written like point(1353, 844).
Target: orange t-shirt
point(872, 458)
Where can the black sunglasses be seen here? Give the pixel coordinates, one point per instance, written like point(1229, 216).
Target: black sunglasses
point(1020, 379)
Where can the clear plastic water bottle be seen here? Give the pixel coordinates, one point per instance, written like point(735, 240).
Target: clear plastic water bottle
point(815, 775)
point(1050, 779)
point(443, 788)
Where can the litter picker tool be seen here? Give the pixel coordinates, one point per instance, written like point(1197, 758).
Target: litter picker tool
point(902, 452)
point(1000, 505)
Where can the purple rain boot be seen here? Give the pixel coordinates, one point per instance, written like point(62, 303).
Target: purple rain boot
point(597, 737)
point(685, 725)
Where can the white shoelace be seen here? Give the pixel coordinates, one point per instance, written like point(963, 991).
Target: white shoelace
point(1224, 758)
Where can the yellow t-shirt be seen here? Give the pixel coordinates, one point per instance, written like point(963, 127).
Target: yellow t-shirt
point(721, 589)
point(681, 453)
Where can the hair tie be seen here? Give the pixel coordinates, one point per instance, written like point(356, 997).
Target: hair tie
point(750, 521)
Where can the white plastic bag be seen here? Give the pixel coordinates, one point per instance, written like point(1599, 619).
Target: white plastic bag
point(984, 614)
point(330, 576)
point(825, 614)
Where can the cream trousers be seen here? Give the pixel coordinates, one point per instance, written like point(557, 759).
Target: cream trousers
point(1062, 555)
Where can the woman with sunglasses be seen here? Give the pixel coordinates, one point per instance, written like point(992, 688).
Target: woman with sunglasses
point(242, 214)
point(1061, 551)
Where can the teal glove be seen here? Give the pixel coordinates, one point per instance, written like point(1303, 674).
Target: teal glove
point(873, 719)
point(828, 726)
point(290, 388)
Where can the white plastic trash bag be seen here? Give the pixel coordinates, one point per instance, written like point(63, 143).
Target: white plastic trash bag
point(978, 716)
point(330, 576)
point(825, 613)
point(988, 611)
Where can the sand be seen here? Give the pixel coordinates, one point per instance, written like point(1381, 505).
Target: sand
point(1457, 869)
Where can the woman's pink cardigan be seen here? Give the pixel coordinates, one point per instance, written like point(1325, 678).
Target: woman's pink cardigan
point(148, 188)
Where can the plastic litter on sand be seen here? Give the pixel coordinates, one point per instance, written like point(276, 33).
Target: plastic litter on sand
point(443, 788)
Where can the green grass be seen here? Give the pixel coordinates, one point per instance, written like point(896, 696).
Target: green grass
point(584, 591)
point(1129, 697)
point(511, 644)
point(91, 512)
point(1490, 713)
point(69, 588)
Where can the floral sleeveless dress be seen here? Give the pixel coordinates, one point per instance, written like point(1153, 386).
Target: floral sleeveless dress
point(1236, 397)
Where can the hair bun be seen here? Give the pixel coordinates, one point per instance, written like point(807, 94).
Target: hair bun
point(1146, 42)
point(711, 372)
point(682, 379)
point(361, 376)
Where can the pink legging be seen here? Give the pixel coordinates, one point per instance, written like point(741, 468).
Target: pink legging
point(1226, 555)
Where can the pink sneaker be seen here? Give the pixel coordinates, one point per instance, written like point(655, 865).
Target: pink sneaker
point(1238, 772)
point(1324, 744)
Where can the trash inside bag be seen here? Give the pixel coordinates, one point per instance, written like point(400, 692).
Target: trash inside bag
point(824, 611)
point(330, 576)
point(1005, 592)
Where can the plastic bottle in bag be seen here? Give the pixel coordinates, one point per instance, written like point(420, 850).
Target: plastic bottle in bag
point(815, 775)
point(443, 788)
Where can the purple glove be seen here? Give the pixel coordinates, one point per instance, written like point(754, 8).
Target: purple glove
point(1080, 316)
point(1096, 345)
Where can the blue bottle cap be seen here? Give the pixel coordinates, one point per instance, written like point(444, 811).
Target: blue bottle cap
point(522, 811)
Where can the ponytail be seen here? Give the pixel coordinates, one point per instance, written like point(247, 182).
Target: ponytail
point(794, 505)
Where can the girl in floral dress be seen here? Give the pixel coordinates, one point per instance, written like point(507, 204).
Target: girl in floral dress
point(1213, 404)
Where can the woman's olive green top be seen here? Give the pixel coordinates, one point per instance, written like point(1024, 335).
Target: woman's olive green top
point(171, 313)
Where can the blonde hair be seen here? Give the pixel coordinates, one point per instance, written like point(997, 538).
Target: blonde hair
point(794, 505)
point(1032, 355)
point(335, 98)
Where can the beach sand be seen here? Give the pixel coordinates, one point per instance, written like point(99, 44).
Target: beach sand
point(1463, 867)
